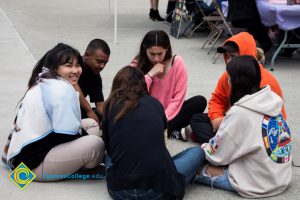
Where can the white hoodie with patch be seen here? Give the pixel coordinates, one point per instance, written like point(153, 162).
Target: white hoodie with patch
point(255, 141)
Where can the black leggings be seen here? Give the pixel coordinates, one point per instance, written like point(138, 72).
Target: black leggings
point(202, 127)
point(196, 104)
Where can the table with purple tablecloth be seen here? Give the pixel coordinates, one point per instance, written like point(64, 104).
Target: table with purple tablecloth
point(287, 17)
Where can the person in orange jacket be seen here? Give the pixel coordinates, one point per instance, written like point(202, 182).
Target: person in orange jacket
point(204, 126)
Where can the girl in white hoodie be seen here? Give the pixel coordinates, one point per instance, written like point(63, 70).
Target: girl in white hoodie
point(251, 152)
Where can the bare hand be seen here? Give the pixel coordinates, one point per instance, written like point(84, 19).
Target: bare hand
point(203, 145)
point(216, 124)
point(166, 136)
point(156, 70)
point(91, 114)
point(16, 128)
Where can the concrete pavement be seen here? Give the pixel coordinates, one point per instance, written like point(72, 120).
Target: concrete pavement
point(29, 28)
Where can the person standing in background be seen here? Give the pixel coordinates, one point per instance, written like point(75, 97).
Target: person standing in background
point(154, 14)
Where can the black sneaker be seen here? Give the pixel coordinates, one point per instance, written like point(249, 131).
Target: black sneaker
point(178, 135)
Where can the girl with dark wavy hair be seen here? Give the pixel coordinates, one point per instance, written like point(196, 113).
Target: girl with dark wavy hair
point(138, 162)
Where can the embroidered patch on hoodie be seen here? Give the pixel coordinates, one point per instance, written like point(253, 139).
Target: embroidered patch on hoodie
point(214, 145)
point(277, 138)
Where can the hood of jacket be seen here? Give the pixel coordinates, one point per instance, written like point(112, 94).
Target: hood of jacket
point(264, 101)
point(245, 42)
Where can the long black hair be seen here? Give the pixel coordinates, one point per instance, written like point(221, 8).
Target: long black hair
point(58, 55)
point(127, 88)
point(153, 38)
point(245, 76)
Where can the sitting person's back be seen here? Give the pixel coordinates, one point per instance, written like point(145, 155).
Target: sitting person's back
point(142, 137)
point(251, 152)
point(134, 131)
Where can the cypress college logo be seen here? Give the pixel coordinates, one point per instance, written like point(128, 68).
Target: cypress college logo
point(22, 176)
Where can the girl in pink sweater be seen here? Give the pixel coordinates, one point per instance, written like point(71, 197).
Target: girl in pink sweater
point(166, 78)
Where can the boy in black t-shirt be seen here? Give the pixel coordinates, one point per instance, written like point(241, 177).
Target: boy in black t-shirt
point(90, 83)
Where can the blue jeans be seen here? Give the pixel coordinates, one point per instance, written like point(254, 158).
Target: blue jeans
point(186, 162)
point(221, 182)
point(207, 9)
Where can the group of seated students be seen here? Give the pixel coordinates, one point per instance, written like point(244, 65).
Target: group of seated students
point(244, 141)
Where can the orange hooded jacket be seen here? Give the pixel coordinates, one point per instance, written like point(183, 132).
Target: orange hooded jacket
point(219, 102)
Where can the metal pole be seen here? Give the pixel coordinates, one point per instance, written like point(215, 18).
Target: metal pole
point(109, 7)
point(116, 20)
point(278, 50)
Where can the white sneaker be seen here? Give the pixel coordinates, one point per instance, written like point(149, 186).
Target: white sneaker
point(183, 134)
point(188, 132)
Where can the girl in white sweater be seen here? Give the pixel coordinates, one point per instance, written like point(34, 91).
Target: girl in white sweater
point(47, 134)
point(251, 152)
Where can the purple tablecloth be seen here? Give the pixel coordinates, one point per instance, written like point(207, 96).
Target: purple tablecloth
point(287, 17)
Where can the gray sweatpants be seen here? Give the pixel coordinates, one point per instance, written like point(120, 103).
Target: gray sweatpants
point(69, 157)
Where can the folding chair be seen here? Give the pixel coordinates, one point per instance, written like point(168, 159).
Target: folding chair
point(216, 28)
point(207, 20)
point(180, 17)
point(224, 28)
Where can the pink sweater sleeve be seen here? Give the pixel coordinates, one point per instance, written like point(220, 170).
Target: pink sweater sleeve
point(179, 91)
point(134, 63)
point(148, 79)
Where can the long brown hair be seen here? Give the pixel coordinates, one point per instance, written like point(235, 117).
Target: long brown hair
point(127, 88)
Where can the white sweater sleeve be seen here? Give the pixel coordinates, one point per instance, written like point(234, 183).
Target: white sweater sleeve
point(230, 142)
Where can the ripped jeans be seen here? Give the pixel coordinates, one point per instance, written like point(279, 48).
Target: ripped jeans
point(221, 182)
